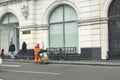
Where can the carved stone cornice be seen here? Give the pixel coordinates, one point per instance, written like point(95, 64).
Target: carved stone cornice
point(93, 21)
point(6, 2)
point(1, 1)
point(35, 26)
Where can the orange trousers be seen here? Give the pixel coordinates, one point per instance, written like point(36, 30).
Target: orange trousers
point(36, 54)
point(37, 58)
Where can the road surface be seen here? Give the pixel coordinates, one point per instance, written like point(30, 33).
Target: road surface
point(30, 71)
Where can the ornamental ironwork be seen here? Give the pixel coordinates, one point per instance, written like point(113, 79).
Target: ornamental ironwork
point(114, 26)
point(114, 9)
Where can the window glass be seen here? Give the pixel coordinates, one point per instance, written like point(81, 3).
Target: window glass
point(63, 27)
point(69, 14)
point(9, 18)
point(56, 35)
point(4, 39)
point(57, 15)
point(8, 27)
point(12, 18)
point(71, 35)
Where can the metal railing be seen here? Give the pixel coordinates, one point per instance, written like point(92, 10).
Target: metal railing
point(60, 52)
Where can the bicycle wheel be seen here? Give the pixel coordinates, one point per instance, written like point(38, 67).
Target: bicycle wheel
point(51, 55)
point(62, 56)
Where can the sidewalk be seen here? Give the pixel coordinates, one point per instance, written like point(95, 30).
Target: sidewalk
point(81, 62)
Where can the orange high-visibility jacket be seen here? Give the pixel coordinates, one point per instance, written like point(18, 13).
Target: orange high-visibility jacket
point(36, 50)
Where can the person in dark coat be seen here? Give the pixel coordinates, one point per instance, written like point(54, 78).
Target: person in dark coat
point(24, 49)
point(11, 50)
point(2, 53)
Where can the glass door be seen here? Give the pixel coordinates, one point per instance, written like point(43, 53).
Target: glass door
point(4, 38)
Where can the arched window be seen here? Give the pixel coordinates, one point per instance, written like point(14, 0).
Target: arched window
point(8, 31)
point(114, 26)
point(63, 30)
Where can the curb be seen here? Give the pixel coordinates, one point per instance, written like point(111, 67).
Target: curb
point(92, 63)
point(86, 63)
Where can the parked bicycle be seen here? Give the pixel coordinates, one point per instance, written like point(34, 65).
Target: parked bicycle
point(56, 53)
point(60, 52)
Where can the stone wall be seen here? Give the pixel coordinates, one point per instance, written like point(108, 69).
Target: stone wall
point(33, 16)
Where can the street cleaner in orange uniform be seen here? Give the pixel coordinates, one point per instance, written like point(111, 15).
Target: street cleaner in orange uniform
point(36, 54)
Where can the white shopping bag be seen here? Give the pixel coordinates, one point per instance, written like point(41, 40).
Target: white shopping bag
point(0, 61)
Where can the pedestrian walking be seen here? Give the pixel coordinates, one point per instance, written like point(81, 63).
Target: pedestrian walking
point(24, 49)
point(36, 53)
point(11, 50)
point(2, 53)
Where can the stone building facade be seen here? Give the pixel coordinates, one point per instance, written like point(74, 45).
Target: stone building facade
point(56, 23)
